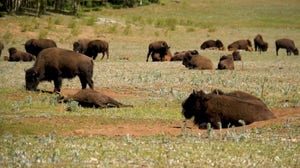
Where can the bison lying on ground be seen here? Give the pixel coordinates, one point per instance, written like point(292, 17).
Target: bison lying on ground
point(288, 44)
point(212, 44)
point(193, 60)
point(160, 47)
point(15, 55)
point(260, 44)
point(56, 64)
point(178, 56)
point(240, 45)
point(97, 46)
point(226, 109)
point(92, 98)
point(81, 45)
point(35, 46)
point(226, 62)
point(1, 48)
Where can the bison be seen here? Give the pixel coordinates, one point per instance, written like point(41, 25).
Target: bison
point(288, 44)
point(35, 46)
point(260, 44)
point(97, 46)
point(212, 44)
point(15, 55)
point(196, 61)
point(54, 64)
point(92, 98)
point(158, 47)
point(226, 62)
point(81, 45)
point(156, 57)
point(1, 48)
point(224, 109)
point(240, 45)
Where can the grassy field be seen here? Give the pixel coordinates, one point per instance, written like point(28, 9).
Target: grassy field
point(37, 131)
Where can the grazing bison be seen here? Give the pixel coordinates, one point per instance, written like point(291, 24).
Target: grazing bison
point(260, 44)
point(240, 45)
point(1, 48)
point(56, 64)
point(97, 46)
point(288, 44)
point(212, 44)
point(35, 46)
point(160, 47)
point(178, 56)
point(81, 45)
point(236, 56)
point(15, 55)
point(92, 98)
point(224, 108)
point(226, 62)
point(196, 61)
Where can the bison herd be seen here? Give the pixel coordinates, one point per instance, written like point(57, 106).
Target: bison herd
point(217, 108)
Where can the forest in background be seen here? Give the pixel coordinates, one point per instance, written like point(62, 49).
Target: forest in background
point(71, 7)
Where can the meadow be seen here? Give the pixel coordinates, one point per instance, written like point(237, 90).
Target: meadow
point(37, 131)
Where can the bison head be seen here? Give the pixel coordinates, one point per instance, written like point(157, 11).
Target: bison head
point(77, 47)
point(31, 79)
point(12, 50)
point(295, 51)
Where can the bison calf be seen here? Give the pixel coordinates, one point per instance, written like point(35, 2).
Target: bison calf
point(92, 98)
point(288, 44)
point(224, 109)
point(15, 55)
point(54, 64)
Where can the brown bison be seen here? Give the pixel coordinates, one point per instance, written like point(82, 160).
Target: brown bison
point(1, 48)
point(196, 61)
point(15, 55)
point(35, 46)
point(158, 47)
point(212, 44)
point(178, 56)
point(288, 44)
point(236, 56)
point(260, 44)
point(97, 46)
point(224, 109)
point(81, 45)
point(226, 62)
point(240, 45)
point(54, 64)
point(92, 98)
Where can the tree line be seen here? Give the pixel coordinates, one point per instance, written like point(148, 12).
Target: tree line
point(41, 7)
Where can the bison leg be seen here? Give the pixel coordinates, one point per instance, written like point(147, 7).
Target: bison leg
point(57, 84)
point(84, 80)
point(149, 52)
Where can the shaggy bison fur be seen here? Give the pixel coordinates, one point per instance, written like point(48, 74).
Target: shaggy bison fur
point(224, 109)
point(236, 56)
point(92, 98)
point(81, 45)
point(240, 45)
point(35, 46)
point(288, 44)
point(226, 62)
point(212, 44)
point(193, 60)
point(260, 44)
point(178, 56)
point(54, 64)
point(97, 46)
point(15, 55)
point(160, 48)
point(1, 48)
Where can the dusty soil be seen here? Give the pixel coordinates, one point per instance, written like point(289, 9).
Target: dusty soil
point(145, 127)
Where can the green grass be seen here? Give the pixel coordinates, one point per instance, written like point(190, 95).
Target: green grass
point(157, 88)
